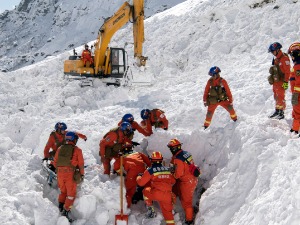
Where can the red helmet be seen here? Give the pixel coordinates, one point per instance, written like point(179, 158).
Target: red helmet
point(156, 156)
point(174, 146)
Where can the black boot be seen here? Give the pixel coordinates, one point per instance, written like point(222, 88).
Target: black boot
point(66, 213)
point(296, 132)
point(280, 115)
point(274, 114)
point(60, 206)
point(190, 222)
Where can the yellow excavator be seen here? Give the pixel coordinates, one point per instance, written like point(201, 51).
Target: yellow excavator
point(111, 62)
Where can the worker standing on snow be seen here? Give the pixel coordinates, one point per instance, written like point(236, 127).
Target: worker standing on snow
point(135, 126)
point(160, 190)
point(154, 117)
point(56, 139)
point(112, 142)
point(185, 173)
point(86, 56)
point(279, 77)
point(294, 52)
point(134, 163)
point(68, 158)
point(217, 93)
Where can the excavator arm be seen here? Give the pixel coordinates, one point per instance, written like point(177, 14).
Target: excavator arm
point(126, 13)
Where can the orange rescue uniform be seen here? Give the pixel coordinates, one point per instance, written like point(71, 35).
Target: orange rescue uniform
point(160, 190)
point(86, 56)
point(65, 175)
point(185, 182)
point(136, 126)
point(295, 89)
point(115, 138)
point(157, 119)
point(133, 163)
point(283, 62)
point(55, 140)
point(226, 104)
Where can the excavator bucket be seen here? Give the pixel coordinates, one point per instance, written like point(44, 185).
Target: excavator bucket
point(121, 219)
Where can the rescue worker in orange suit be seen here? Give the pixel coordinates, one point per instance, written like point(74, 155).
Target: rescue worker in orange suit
point(160, 190)
point(135, 126)
point(294, 52)
point(154, 117)
point(86, 56)
point(133, 163)
point(56, 139)
point(279, 77)
point(67, 158)
point(186, 182)
point(217, 93)
point(112, 142)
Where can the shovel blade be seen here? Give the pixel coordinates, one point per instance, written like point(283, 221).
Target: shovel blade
point(121, 220)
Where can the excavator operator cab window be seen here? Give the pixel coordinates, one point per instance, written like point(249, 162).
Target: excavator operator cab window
point(117, 61)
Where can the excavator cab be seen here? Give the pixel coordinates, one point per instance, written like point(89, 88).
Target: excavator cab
point(118, 63)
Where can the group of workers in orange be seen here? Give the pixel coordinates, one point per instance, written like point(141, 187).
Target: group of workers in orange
point(280, 74)
point(217, 92)
point(147, 175)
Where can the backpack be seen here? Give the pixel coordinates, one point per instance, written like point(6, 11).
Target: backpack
point(113, 150)
point(187, 158)
point(65, 155)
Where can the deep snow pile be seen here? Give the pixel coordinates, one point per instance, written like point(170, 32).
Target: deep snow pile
point(250, 168)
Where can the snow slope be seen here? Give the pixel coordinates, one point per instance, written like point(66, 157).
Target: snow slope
point(250, 168)
point(37, 29)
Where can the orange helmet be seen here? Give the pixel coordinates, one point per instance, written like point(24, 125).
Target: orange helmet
point(156, 156)
point(294, 51)
point(294, 47)
point(174, 145)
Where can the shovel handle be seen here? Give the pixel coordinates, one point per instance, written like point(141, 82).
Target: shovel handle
point(121, 184)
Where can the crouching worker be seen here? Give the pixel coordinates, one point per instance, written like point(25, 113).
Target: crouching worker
point(67, 159)
point(134, 163)
point(154, 117)
point(160, 190)
point(111, 144)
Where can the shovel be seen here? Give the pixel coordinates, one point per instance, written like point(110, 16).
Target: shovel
point(121, 219)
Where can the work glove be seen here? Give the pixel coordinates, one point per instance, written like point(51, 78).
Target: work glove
point(82, 178)
point(285, 85)
point(135, 143)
